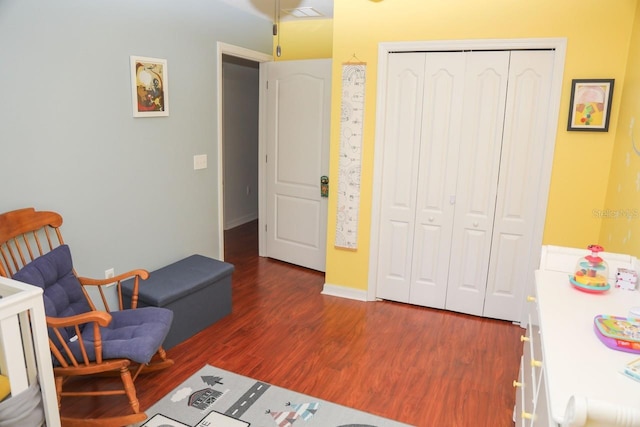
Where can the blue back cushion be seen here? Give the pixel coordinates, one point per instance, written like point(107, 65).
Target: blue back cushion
point(53, 272)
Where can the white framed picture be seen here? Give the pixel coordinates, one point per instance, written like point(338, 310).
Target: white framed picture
point(149, 87)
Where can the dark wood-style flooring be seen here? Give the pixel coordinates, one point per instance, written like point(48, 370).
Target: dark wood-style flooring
point(417, 365)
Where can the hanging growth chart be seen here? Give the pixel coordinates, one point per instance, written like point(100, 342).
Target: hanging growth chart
point(351, 126)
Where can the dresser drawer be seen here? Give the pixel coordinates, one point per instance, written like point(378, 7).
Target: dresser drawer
point(531, 381)
point(526, 393)
point(543, 416)
point(535, 352)
point(519, 385)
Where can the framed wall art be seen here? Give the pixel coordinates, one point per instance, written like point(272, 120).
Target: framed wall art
point(590, 105)
point(149, 87)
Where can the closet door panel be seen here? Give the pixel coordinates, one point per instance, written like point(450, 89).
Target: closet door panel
point(522, 157)
point(486, 79)
point(436, 178)
point(400, 169)
point(427, 282)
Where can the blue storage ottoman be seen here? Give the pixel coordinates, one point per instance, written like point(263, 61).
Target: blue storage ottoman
point(197, 289)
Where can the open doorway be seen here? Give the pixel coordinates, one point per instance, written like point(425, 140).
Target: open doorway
point(240, 129)
point(282, 108)
point(238, 135)
point(240, 96)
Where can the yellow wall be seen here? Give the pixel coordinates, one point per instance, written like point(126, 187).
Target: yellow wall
point(598, 35)
point(621, 212)
point(305, 39)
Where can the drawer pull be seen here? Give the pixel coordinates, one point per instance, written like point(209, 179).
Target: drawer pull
point(536, 363)
point(524, 339)
point(527, 416)
point(516, 384)
point(531, 299)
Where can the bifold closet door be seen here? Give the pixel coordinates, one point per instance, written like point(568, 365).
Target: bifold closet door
point(522, 158)
point(422, 132)
point(486, 78)
point(461, 153)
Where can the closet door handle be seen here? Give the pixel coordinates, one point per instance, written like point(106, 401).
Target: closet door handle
point(431, 219)
point(452, 200)
point(476, 223)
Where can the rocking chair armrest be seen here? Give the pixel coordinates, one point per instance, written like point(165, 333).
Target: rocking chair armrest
point(101, 317)
point(137, 275)
point(88, 281)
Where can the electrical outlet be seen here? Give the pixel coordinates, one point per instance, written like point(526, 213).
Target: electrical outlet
point(108, 274)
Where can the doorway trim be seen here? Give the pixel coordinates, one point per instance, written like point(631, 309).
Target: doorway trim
point(251, 55)
point(558, 45)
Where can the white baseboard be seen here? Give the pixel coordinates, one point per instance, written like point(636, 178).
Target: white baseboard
point(235, 222)
point(344, 292)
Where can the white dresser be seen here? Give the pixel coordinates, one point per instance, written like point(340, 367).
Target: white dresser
point(568, 377)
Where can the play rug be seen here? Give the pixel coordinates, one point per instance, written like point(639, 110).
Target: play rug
point(213, 397)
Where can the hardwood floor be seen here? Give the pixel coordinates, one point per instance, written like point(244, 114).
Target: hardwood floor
point(421, 366)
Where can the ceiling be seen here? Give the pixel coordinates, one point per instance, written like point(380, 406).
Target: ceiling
point(289, 9)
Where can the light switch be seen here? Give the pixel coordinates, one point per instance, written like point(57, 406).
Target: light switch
point(199, 161)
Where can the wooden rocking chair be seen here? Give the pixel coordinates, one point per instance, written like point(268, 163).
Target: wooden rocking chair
point(83, 340)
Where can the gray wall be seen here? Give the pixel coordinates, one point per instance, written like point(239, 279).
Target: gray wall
point(125, 186)
point(240, 98)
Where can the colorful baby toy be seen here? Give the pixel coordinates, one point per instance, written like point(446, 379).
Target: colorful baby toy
point(591, 272)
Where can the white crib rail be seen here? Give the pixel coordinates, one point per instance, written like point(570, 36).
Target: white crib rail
point(24, 345)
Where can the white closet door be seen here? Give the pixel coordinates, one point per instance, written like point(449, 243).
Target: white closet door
point(444, 92)
point(423, 132)
point(401, 154)
point(458, 201)
point(521, 161)
point(487, 74)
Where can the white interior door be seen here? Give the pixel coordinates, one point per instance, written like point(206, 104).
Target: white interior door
point(436, 178)
point(297, 123)
point(403, 116)
point(522, 159)
point(486, 79)
point(461, 146)
point(419, 176)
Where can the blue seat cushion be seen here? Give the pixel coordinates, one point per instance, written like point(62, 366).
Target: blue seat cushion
point(131, 334)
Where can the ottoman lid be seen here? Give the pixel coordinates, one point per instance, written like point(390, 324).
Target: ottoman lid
point(176, 280)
